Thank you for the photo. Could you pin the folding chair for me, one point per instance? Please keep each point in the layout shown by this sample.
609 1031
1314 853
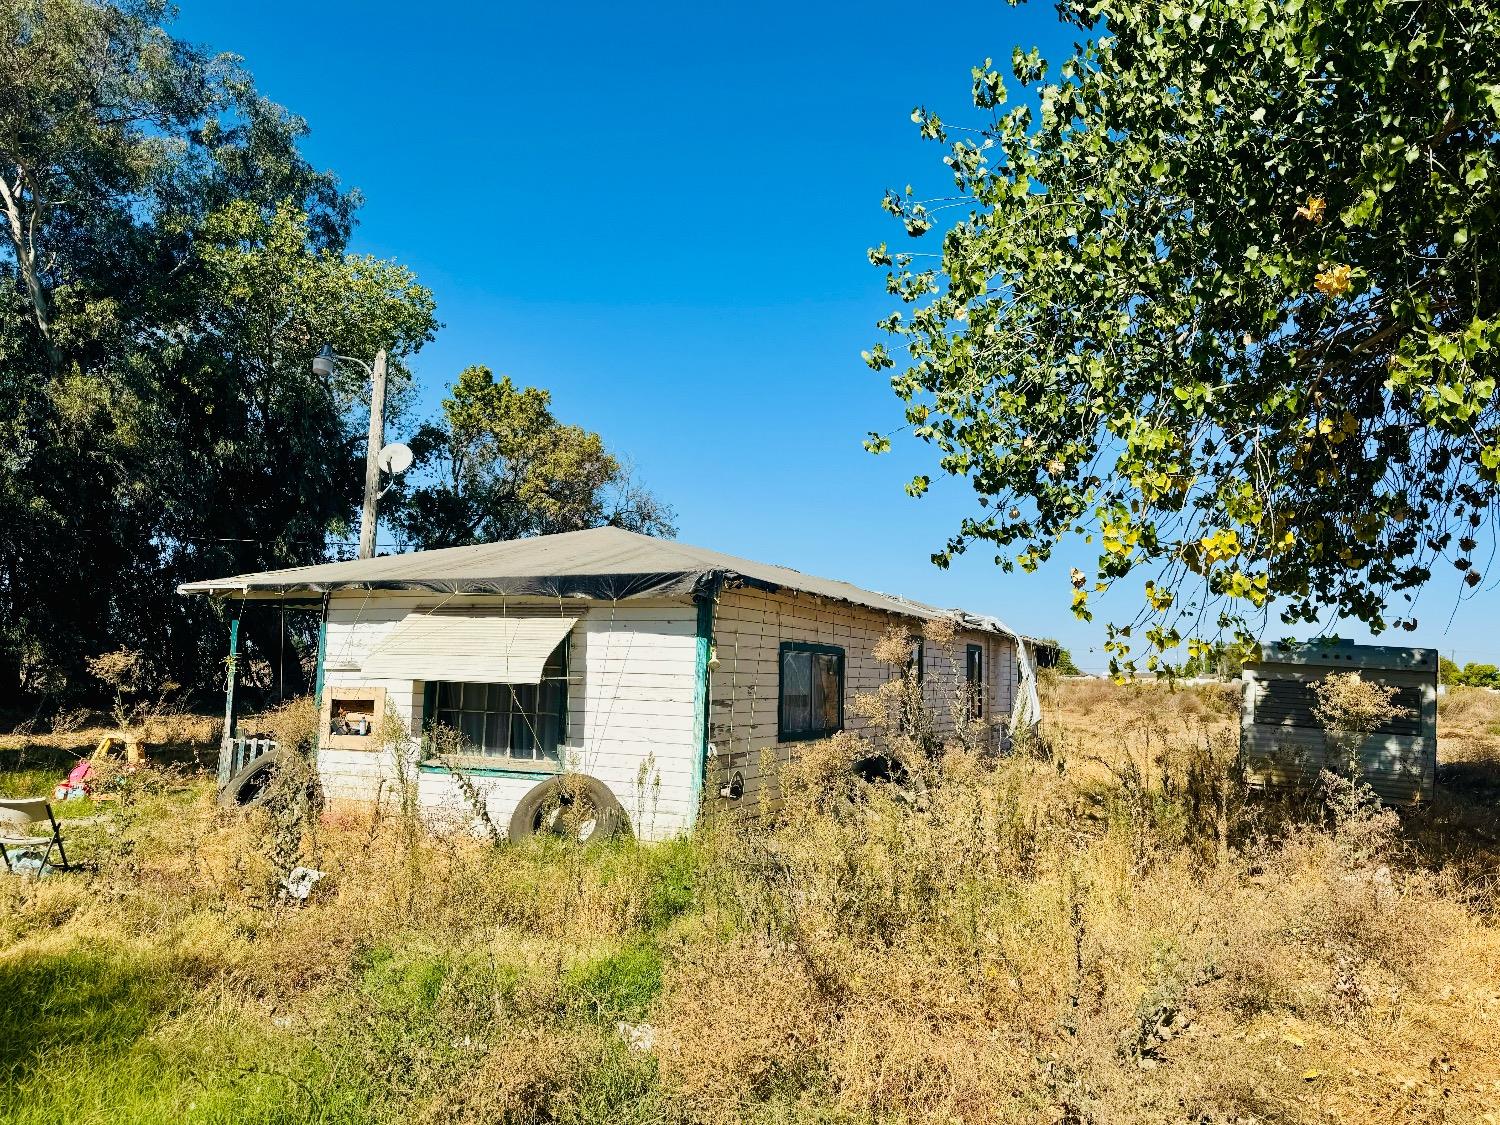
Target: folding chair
19 820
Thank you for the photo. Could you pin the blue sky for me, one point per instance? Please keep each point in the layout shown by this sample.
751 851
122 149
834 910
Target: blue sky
660 213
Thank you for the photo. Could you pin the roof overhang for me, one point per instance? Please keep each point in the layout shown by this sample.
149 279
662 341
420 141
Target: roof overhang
604 587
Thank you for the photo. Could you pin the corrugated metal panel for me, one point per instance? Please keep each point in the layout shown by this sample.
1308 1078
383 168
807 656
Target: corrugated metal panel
1399 769
468 648
1281 741
1291 703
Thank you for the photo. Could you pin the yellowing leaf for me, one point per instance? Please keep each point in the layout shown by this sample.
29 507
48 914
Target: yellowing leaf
1313 209
1333 279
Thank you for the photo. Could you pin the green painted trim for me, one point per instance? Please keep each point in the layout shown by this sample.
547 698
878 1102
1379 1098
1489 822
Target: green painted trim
705 636
493 771
820 650
322 654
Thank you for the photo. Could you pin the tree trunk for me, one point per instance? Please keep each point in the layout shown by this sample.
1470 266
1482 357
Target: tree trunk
23 236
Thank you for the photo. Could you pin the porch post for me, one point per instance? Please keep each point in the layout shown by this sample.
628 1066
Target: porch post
231 718
322 654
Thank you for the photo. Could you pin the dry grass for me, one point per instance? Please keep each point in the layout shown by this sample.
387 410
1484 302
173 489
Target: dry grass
170 730
1106 932
1110 932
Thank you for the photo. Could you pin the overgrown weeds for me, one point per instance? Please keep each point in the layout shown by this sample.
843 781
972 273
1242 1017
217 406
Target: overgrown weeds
1118 933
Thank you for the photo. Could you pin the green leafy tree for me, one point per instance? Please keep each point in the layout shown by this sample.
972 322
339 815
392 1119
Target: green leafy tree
1480 675
168 262
498 465
1217 658
1223 299
1449 673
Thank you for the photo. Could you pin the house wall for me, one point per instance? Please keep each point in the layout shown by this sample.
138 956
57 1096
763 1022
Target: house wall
632 672
748 628
632 712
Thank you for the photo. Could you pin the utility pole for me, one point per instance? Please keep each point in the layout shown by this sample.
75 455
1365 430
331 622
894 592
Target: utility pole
372 457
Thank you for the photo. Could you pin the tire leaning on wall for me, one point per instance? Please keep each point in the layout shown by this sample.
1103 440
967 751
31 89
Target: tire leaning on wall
573 806
252 785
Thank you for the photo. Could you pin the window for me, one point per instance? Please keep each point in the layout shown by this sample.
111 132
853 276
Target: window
517 722
911 701
351 717
974 676
812 692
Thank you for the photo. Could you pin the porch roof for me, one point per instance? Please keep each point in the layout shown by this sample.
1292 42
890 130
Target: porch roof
606 563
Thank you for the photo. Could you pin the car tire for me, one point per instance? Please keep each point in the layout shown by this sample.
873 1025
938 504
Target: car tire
571 806
252 784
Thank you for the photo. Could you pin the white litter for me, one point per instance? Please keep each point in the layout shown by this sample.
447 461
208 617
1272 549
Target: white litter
300 881
640 1036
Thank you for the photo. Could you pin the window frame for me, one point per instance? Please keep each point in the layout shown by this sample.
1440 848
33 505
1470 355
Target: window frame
539 761
975 684
811 649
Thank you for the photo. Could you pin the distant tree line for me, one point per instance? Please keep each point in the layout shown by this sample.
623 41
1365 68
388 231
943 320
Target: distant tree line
169 262
1470 675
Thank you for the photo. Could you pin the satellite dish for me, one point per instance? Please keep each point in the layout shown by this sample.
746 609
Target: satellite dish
394 458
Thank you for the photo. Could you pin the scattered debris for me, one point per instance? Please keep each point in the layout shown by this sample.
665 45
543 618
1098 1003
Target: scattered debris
30 863
77 783
300 881
640 1036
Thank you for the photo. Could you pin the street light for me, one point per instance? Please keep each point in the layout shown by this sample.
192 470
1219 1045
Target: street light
323 365
323 362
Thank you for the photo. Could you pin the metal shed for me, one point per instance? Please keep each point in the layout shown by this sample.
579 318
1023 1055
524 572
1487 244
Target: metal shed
1281 741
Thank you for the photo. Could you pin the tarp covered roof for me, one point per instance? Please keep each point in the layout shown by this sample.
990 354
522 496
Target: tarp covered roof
606 563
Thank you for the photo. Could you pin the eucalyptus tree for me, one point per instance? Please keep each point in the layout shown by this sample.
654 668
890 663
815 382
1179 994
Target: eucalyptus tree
1222 298
168 262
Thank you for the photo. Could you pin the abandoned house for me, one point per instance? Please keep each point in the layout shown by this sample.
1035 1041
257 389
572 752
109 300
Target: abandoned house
672 678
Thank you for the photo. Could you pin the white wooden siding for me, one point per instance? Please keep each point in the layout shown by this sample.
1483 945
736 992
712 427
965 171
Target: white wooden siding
631 718
749 627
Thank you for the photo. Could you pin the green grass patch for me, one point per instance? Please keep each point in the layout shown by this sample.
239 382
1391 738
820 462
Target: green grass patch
115 1036
620 986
